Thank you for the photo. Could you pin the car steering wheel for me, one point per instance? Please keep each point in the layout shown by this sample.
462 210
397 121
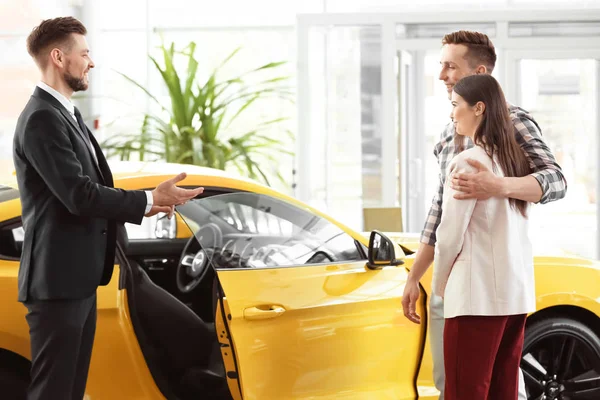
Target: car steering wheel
195 259
320 256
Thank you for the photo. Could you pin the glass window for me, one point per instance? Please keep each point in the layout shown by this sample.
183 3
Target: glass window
122 104
155 227
437 31
345 126
132 14
248 218
23 15
550 4
561 95
18 73
533 29
408 5
18 76
229 12
11 237
248 230
437 115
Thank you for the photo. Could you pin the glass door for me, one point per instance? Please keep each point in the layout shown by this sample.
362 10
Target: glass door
561 91
341 148
411 182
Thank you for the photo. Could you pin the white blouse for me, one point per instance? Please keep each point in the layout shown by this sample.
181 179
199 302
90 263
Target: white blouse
483 263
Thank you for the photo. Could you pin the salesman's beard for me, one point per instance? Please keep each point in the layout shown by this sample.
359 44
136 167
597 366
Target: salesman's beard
76 84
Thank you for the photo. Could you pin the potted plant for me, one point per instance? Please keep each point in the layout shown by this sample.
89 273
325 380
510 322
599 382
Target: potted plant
195 125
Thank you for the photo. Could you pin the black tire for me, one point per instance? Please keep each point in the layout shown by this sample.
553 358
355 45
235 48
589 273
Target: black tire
561 360
13 384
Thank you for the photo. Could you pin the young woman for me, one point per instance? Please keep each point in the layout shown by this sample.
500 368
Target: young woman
483 264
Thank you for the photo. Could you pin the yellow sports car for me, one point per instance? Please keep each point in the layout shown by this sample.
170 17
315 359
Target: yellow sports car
250 294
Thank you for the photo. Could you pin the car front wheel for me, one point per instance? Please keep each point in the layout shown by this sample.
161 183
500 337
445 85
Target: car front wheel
561 360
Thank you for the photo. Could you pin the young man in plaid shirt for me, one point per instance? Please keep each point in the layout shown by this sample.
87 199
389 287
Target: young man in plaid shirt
467 53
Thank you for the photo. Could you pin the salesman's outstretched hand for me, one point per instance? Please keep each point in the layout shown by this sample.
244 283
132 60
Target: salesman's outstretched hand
167 195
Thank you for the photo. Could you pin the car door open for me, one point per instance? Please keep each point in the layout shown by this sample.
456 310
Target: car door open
304 312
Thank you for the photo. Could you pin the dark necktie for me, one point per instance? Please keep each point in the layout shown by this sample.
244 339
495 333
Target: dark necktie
86 135
81 123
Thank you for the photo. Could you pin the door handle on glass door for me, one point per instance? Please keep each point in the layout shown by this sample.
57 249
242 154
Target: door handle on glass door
263 312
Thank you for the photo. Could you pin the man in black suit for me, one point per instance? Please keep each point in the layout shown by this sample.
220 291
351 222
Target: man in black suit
71 213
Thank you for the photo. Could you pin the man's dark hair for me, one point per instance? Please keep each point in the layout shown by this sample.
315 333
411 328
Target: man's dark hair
481 50
52 33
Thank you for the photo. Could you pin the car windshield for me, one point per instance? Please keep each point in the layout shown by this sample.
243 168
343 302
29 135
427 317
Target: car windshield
249 230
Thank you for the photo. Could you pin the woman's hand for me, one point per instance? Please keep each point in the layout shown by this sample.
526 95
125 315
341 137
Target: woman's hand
409 300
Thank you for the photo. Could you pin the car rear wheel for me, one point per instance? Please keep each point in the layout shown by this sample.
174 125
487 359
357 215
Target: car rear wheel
13 385
561 360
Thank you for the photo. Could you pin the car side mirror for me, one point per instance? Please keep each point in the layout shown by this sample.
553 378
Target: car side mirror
382 251
165 228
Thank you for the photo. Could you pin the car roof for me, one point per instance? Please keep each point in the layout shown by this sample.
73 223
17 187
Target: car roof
123 170
137 169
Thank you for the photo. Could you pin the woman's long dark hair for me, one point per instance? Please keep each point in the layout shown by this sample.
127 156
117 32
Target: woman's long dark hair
495 133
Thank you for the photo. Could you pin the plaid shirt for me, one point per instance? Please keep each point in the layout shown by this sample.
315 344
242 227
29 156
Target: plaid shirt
529 136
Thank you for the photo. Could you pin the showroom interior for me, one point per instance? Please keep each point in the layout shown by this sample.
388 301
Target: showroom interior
352 96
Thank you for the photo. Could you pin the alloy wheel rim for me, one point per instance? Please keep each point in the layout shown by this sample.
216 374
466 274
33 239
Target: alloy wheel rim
561 366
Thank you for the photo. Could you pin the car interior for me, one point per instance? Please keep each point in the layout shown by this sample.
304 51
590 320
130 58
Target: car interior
10 247
176 331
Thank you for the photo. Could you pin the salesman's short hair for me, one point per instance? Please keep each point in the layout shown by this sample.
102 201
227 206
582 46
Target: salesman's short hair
51 33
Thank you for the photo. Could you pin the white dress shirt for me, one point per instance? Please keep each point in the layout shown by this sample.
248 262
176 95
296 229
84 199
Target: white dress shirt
70 107
483 262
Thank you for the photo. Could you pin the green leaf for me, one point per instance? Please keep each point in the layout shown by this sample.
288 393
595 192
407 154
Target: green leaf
191 69
143 88
270 65
226 60
241 110
195 127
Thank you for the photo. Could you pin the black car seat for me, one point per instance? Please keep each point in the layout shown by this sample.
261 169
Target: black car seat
173 338
8 245
183 338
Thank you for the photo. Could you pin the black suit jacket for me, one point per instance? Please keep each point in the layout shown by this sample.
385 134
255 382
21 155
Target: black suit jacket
70 208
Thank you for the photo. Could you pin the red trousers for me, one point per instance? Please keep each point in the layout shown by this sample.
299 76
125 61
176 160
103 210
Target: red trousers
482 356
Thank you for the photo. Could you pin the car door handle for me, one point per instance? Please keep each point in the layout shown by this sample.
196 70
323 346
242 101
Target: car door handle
263 312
